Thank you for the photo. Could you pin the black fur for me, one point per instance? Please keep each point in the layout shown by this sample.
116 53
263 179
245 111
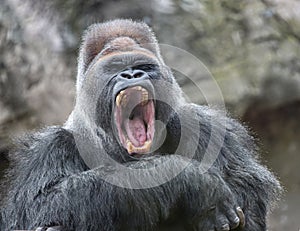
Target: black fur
49 183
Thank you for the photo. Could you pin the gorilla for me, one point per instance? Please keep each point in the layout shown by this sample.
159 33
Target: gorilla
134 154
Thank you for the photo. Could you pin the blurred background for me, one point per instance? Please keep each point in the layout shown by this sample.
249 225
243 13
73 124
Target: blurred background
252 48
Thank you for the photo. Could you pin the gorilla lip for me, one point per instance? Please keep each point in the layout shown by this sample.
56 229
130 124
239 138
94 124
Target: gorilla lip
134 118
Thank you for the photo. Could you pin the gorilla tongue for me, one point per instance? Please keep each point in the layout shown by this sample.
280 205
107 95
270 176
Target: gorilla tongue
140 128
136 130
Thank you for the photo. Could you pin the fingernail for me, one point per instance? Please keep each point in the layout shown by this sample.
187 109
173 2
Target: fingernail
236 220
225 227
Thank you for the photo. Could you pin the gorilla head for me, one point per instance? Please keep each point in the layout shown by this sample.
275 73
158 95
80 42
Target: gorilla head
120 67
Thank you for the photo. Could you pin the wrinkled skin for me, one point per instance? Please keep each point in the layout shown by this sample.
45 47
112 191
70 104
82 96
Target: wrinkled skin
64 178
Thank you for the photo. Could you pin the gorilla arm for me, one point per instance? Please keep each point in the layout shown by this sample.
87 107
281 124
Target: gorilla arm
233 158
52 186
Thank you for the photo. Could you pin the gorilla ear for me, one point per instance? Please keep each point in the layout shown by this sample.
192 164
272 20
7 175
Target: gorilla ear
99 34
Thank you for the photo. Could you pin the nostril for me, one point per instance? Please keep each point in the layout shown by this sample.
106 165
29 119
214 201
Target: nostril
138 74
130 74
126 75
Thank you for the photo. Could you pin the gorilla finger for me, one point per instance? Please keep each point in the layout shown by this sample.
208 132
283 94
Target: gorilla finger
225 227
234 220
235 223
241 216
222 223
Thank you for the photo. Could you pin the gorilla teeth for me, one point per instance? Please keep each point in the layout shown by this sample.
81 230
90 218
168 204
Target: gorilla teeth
118 99
132 149
145 97
122 98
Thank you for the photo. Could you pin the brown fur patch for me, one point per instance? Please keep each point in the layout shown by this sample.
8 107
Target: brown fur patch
114 35
119 44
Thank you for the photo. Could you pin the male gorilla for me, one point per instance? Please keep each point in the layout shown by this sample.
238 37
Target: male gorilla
122 160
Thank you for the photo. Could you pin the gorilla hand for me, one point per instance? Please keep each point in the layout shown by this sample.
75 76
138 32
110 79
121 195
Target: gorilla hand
220 210
204 200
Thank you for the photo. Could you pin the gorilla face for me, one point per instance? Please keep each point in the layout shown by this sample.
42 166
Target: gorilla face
130 95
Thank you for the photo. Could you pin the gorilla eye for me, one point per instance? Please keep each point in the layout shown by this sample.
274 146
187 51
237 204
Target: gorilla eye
146 67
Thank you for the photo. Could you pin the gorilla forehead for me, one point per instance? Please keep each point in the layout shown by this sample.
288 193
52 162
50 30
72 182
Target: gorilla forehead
118 61
104 68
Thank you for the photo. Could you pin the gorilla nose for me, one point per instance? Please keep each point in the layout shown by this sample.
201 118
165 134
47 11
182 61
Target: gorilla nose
132 74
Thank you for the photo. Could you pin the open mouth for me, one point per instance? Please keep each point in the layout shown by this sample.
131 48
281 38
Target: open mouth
134 118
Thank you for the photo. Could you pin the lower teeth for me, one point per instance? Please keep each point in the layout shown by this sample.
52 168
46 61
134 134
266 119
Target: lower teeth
131 148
